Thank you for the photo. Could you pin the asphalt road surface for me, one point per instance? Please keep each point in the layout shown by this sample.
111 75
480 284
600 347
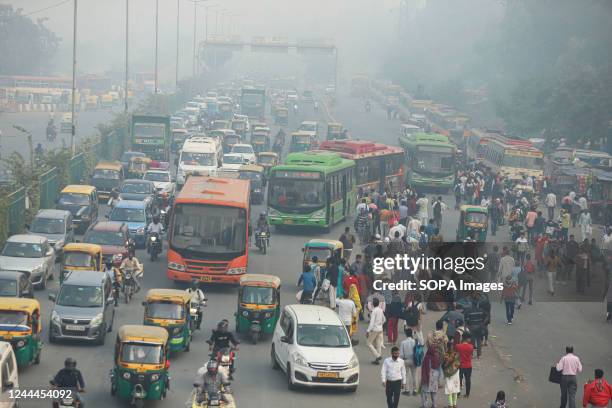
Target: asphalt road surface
517 361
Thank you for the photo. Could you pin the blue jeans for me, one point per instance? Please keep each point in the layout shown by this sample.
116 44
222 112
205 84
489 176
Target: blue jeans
509 310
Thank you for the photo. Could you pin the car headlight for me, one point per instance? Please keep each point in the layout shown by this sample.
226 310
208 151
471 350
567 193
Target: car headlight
354 361
298 359
154 377
236 271
272 212
55 317
126 375
21 343
96 321
176 266
140 230
319 214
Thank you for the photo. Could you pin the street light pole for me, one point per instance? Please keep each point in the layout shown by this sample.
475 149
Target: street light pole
195 28
74 68
178 14
127 38
156 44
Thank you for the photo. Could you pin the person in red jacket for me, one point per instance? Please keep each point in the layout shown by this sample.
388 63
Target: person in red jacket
598 392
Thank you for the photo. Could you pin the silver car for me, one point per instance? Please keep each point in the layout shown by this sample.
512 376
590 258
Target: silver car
32 254
56 225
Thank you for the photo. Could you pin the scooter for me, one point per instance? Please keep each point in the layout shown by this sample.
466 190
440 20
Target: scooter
155 246
263 241
129 284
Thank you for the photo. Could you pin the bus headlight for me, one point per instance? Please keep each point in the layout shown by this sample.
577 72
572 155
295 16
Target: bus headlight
176 266
236 271
319 214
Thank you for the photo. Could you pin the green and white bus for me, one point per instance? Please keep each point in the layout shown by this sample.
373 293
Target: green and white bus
313 188
430 160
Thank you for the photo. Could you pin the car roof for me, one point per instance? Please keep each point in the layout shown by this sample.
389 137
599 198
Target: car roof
6 274
158 171
136 181
107 226
313 314
52 213
87 278
242 144
131 204
28 239
78 189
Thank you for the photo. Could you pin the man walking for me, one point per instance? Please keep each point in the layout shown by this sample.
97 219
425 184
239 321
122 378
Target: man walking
407 354
393 375
551 203
570 366
348 240
465 350
375 331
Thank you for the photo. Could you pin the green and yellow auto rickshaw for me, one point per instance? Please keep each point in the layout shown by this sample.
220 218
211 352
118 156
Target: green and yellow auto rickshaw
322 249
258 305
21 325
334 131
267 160
260 140
81 257
138 166
255 174
474 221
141 370
301 142
170 309
281 116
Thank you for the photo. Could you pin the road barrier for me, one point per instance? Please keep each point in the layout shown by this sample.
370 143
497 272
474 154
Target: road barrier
49 188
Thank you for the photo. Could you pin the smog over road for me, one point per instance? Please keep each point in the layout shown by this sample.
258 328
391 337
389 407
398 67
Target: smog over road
272 203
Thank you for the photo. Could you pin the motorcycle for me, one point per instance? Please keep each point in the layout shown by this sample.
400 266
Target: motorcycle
51 133
212 399
195 313
66 402
225 358
262 240
129 284
155 246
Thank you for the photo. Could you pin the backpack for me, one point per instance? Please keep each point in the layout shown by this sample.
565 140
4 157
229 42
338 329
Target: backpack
418 354
411 315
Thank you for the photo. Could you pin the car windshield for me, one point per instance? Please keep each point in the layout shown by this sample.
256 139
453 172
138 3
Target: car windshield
80 296
155 176
231 159
135 188
266 159
78 259
297 193
164 310
73 199
242 149
142 353
106 174
257 295
198 159
322 335
8 287
209 229
13 320
115 238
22 250
476 218
48 225
127 214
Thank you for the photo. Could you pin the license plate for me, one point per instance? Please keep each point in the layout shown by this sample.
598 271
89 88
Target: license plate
288 222
206 279
75 328
327 374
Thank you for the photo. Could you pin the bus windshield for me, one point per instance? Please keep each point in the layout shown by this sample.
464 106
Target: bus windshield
428 160
198 159
533 163
209 228
297 193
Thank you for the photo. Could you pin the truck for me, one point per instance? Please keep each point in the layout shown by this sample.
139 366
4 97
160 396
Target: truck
151 135
253 102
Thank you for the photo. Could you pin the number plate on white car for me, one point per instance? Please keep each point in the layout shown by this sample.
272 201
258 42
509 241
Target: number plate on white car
75 328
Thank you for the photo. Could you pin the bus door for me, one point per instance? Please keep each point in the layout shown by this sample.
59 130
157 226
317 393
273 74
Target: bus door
343 191
328 199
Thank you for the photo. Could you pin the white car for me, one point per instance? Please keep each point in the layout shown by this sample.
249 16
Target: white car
233 161
313 348
32 254
162 180
246 150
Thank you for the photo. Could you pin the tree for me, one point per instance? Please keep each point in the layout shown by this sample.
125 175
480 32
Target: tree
26 46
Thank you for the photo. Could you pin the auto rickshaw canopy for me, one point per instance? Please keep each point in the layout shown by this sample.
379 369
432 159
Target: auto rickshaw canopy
140 333
19 304
261 280
108 165
171 295
92 249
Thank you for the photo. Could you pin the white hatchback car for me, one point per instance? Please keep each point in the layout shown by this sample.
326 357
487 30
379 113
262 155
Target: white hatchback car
246 150
312 346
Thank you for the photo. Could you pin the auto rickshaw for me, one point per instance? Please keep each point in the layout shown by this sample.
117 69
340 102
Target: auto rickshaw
322 249
334 131
21 325
229 140
138 166
281 116
106 176
239 126
169 308
473 219
219 124
255 174
178 138
258 305
260 140
301 142
141 370
267 160
81 257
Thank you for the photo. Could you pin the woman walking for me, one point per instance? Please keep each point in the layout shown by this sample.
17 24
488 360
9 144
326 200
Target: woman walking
452 383
430 376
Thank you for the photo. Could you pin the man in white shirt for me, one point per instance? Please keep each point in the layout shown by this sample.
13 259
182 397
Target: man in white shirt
407 354
551 203
423 209
414 225
397 227
393 376
570 366
346 311
375 331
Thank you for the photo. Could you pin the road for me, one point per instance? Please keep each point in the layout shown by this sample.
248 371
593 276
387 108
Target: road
523 351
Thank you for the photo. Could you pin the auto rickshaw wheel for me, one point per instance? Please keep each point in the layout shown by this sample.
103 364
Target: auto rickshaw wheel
37 358
113 390
139 403
255 337
188 347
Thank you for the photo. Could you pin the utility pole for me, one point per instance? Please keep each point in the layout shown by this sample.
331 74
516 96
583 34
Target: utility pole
127 39
195 28
156 44
178 13
74 68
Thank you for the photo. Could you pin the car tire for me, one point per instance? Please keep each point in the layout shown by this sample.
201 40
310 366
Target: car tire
290 385
102 336
52 338
110 328
273 360
43 282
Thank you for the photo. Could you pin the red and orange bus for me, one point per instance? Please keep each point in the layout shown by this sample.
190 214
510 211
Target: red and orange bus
378 166
209 230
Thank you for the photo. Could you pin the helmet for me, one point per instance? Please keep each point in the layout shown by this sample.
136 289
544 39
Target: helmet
262 214
212 367
70 363
222 326
194 283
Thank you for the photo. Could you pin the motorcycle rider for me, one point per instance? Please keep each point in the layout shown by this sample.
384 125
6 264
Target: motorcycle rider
155 227
211 382
262 226
51 133
70 377
38 151
198 299
221 339
116 277
131 262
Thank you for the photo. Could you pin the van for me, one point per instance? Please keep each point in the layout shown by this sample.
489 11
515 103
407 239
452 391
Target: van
9 377
201 155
